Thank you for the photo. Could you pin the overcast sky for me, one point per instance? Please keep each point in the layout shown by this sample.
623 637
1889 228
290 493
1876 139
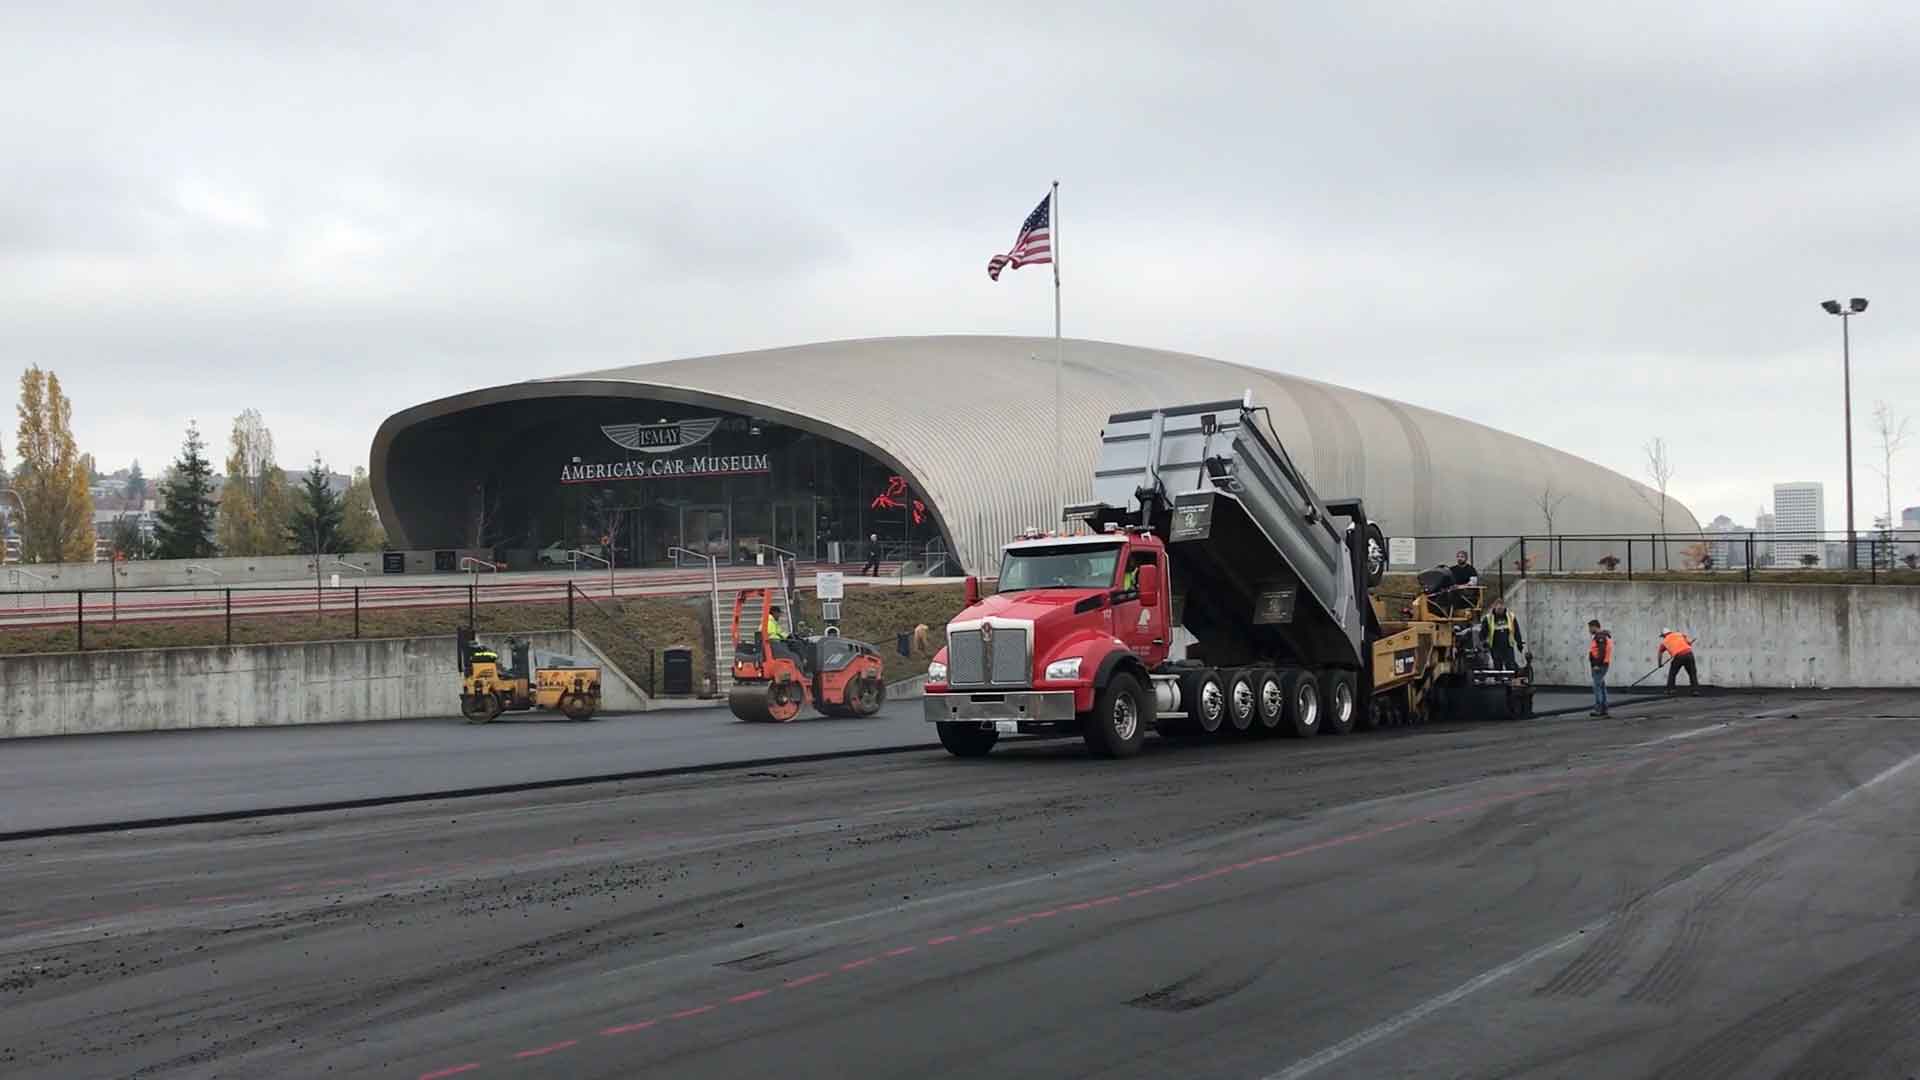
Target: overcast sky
1589 224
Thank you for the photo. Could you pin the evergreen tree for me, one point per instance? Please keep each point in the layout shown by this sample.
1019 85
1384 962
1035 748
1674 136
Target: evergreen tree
315 521
136 490
57 525
360 528
185 528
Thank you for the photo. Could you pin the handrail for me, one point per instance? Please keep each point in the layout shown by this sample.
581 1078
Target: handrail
575 555
348 565
14 575
191 567
468 562
721 664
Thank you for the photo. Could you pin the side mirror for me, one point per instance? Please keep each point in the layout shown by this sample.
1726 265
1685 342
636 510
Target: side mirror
1149 585
973 590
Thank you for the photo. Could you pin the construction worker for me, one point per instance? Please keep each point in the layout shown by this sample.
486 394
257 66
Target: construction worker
1599 659
770 629
1502 630
1679 646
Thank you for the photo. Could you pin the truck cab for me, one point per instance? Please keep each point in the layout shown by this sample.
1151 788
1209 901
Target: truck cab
1040 655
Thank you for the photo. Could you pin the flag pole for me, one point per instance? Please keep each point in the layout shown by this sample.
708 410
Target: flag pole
1059 358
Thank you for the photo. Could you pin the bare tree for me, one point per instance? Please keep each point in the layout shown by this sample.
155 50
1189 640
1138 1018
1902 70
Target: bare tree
1549 503
1660 471
1892 431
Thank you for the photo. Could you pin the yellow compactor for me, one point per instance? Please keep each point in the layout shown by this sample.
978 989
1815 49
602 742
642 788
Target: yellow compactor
489 687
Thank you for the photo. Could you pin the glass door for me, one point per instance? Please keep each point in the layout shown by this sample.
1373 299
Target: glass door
795 528
707 530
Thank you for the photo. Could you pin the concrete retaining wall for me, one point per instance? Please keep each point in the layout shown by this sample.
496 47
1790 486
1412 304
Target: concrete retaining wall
1746 635
319 682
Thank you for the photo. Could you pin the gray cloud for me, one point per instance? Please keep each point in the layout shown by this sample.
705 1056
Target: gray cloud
1586 224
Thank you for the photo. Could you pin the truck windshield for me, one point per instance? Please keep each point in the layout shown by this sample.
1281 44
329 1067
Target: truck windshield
1067 566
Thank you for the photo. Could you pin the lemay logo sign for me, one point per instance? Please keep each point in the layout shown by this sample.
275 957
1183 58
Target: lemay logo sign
662 439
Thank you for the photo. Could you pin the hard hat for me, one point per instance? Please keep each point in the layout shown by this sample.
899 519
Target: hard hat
1666 631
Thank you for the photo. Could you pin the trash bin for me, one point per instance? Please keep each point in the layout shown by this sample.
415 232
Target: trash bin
676 676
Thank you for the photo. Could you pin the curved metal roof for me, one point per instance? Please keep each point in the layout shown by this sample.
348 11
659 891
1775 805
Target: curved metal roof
969 421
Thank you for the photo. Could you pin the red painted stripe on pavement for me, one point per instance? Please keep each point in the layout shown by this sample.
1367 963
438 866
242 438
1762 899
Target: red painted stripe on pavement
542 1051
943 939
901 951
625 1028
442 1074
804 980
863 962
978 930
685 1013
749 996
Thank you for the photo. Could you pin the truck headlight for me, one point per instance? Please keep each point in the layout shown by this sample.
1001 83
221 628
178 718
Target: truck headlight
936 672
1064 669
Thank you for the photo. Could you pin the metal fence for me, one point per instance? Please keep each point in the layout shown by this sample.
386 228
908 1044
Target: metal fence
1883 556
70 620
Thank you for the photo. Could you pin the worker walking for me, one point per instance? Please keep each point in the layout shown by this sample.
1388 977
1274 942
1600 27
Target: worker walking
1502 629
1679 646
1599 659
873 557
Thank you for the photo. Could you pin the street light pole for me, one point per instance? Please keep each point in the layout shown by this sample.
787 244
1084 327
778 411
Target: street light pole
1854 307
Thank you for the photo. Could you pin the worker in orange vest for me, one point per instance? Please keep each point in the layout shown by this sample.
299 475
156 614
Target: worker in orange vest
1599 659
1679 646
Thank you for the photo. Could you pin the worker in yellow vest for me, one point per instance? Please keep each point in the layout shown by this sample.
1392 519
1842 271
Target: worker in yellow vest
1502 630
1679 646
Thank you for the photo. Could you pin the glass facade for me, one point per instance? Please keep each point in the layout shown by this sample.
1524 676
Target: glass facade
655 476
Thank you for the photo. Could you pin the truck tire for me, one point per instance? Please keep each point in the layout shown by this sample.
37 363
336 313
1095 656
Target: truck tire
1243 702
1303 704
1376 555
1205 699
1270 700
1118 723
1340 705
967 740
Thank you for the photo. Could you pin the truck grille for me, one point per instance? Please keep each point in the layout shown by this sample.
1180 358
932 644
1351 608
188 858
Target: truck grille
971 662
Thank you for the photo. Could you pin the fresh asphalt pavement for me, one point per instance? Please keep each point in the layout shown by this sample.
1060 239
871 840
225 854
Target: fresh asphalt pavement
103 780
69 781
1710 887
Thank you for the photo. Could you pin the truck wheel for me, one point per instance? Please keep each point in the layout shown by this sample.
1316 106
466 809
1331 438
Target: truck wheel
1342 710
1270 700
1303 704
967 740
1243 702
1118 723
1207 703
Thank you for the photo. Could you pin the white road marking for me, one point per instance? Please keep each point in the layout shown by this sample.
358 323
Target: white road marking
1432 1005
1393 1025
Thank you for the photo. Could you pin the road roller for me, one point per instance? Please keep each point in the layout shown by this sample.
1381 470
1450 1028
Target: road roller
489 687
774 677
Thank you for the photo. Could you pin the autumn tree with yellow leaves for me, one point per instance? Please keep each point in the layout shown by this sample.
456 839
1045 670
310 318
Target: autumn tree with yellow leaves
56 520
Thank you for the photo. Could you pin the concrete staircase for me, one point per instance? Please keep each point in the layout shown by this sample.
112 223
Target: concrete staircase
723 639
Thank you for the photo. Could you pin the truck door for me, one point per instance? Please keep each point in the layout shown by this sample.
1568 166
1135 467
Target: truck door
1140 626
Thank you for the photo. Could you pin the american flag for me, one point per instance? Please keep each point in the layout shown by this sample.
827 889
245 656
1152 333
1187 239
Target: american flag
1033 245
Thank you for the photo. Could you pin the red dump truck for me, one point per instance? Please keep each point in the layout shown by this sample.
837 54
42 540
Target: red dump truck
1200 521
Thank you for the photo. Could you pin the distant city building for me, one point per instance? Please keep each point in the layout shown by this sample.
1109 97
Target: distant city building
1763 540
1799 517
1732 551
